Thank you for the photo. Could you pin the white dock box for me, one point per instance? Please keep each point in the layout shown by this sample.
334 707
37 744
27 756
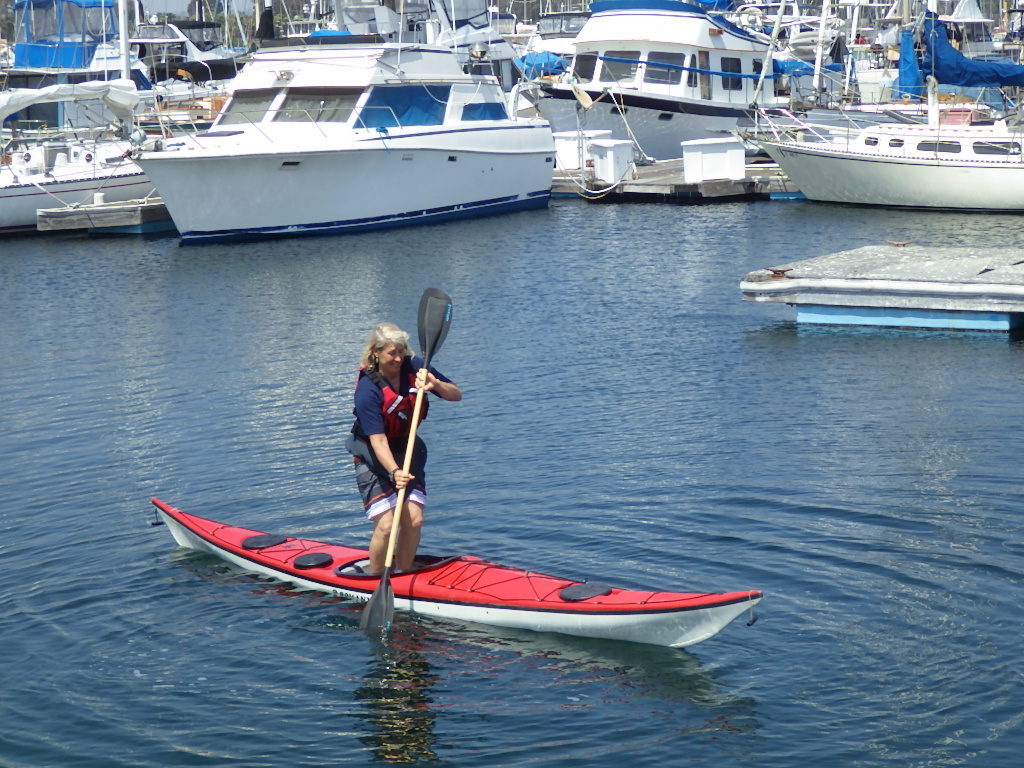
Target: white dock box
572 148
721 159
613 159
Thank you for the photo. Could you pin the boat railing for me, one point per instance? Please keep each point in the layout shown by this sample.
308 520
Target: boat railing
786 125
379 125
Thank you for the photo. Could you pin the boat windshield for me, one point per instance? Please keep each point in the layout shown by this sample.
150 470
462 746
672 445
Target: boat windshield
247 107
315 105
155 32
390 106
561 24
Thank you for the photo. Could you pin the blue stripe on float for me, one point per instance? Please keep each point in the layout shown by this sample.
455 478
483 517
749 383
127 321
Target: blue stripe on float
892 317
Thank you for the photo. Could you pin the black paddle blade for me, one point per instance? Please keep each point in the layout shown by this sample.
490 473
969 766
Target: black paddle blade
380 609
434 318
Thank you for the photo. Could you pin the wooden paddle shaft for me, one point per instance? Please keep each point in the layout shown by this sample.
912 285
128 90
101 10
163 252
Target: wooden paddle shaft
406 466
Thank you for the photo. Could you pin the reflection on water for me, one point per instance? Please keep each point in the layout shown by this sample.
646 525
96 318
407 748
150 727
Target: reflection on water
428 676
397 702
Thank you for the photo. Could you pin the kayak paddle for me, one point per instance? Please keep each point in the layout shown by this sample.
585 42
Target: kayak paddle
435 315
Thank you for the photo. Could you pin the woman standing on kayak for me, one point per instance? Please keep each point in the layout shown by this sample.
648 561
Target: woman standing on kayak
385 395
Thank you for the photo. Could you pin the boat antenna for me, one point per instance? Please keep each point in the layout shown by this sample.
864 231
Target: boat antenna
401 29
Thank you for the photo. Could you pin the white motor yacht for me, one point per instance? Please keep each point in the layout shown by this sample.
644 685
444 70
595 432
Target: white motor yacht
347 135
658 72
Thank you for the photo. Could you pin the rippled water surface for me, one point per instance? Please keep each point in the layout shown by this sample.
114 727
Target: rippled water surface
626 418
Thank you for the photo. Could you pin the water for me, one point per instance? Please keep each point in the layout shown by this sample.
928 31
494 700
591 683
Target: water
627 417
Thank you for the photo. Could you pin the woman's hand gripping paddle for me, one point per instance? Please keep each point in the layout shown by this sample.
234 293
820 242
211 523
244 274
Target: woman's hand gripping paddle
435 315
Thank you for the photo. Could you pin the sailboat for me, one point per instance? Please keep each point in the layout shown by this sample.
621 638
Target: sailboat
961 158
68 168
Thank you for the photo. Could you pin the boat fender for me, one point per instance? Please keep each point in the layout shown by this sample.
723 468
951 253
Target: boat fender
574 593
313 560
264 540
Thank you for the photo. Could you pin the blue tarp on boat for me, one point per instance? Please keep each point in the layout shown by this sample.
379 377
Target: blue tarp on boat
909 80
541 63
797 68
950 67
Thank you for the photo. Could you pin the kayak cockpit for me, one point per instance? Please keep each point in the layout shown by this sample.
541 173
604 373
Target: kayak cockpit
357 569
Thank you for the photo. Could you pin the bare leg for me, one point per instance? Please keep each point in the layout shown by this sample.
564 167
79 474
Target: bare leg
408 539
379 541
409 536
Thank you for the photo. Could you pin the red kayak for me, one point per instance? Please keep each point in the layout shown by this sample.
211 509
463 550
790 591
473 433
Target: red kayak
470 589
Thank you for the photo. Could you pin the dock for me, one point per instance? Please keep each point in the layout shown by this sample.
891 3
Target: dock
125 217
592 165
900 285
665 182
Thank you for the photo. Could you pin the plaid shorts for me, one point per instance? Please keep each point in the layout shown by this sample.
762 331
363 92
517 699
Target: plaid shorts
380 496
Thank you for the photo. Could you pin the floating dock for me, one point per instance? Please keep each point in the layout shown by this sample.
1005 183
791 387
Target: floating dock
900 285
126 217
664 181
591 165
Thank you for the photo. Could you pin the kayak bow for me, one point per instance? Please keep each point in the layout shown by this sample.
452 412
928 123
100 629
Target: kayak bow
467 588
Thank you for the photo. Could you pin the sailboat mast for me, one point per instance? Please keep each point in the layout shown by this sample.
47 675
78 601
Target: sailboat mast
123 36
819 51
931 83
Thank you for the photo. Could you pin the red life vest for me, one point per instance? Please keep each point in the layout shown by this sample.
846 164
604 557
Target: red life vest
397 407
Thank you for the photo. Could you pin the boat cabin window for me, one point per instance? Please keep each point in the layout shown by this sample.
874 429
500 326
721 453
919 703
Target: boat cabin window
485 110
155 32
691 74
871 141
316 105
730 64
561 24
390 106
996 148
938 146
896 143
620 66
583 67
664 67
247 107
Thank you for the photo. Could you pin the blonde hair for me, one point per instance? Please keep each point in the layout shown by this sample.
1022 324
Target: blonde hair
381 337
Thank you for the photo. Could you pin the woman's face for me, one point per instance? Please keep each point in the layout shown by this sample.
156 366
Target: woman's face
390 360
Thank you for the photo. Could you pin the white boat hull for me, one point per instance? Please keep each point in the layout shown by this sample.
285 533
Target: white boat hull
392 183
658 129
22 196
836 175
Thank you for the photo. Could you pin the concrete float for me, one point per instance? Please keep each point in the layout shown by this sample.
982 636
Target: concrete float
143 216
900 285
591 165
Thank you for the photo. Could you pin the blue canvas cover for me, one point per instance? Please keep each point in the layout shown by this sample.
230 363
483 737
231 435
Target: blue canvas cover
49 34
390 106
909 81
541 63
797 68
950 67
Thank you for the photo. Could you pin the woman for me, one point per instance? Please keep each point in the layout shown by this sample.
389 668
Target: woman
385 396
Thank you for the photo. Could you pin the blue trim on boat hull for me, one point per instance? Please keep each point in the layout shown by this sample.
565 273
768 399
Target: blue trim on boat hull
512 203
653 103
